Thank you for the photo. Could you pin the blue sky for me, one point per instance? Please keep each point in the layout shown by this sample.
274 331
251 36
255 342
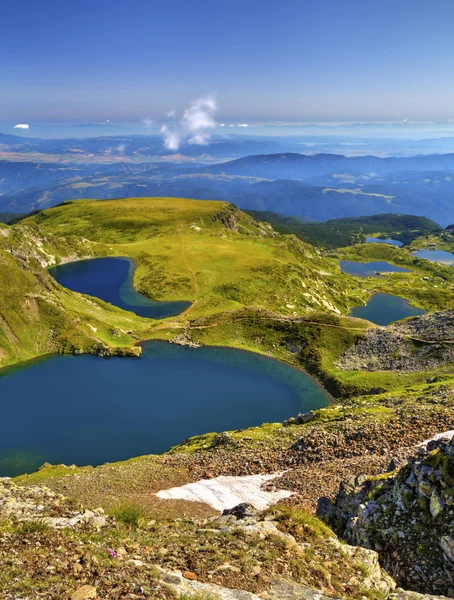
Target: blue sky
292 60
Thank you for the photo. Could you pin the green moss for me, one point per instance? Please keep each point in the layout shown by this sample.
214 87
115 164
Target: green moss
438 460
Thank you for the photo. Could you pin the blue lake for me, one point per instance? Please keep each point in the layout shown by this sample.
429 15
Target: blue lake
438 256
89 410
373 240
111 280
383 309
370 269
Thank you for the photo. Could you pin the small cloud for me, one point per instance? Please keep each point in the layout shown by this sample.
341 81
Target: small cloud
171 114
121 148
194 127
22 126
148 122
171 137
242 125
221 124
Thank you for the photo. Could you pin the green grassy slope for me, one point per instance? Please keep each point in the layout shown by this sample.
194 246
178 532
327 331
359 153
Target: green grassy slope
210 253
37 316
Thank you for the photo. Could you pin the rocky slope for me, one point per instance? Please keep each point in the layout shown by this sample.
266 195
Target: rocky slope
418 344
51 548
407 515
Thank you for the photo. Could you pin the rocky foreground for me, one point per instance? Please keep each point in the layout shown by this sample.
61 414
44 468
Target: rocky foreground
50 548
406 515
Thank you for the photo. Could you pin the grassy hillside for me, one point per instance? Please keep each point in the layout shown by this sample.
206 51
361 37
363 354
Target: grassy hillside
37 316
207 252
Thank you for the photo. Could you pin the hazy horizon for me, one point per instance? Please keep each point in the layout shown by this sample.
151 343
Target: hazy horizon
262 62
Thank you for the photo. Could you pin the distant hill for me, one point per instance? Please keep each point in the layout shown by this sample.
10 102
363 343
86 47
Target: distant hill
348 231
307 167
7 217
317 187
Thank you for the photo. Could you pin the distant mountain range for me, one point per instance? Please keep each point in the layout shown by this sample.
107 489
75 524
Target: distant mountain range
312 186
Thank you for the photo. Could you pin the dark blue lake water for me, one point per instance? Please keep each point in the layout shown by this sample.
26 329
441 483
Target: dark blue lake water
373 240
383 309
370 269
111 279
438 256
89 410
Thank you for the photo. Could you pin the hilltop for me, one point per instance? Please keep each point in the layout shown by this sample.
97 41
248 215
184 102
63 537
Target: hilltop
209 253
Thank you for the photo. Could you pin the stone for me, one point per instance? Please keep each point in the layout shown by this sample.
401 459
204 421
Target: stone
436 504
425 489
376 390
98 522
240 511
85 593
325 507
136 562
222 439
190 575
303 418
447 545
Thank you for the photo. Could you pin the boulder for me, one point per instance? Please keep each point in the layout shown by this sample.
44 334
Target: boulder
86 592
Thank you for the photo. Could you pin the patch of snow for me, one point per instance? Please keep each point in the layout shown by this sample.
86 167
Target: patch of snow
226 492
438 436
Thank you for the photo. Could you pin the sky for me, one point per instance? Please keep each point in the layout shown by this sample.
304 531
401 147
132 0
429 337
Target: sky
262 60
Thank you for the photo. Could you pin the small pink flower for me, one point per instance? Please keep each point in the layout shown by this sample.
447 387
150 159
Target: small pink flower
112 552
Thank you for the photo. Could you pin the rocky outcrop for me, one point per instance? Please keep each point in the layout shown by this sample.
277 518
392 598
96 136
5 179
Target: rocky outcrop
43 507
419 344
184 339
406 515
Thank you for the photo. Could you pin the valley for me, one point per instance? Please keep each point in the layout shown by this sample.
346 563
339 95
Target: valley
215 282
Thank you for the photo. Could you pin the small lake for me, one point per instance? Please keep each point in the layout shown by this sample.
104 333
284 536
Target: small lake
438 256
373 240
111 280
383 309
90 410
370 269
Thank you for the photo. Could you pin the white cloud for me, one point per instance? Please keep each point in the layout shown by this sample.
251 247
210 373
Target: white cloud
242 125
148 122
194 127
22 126
172 137
121 148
